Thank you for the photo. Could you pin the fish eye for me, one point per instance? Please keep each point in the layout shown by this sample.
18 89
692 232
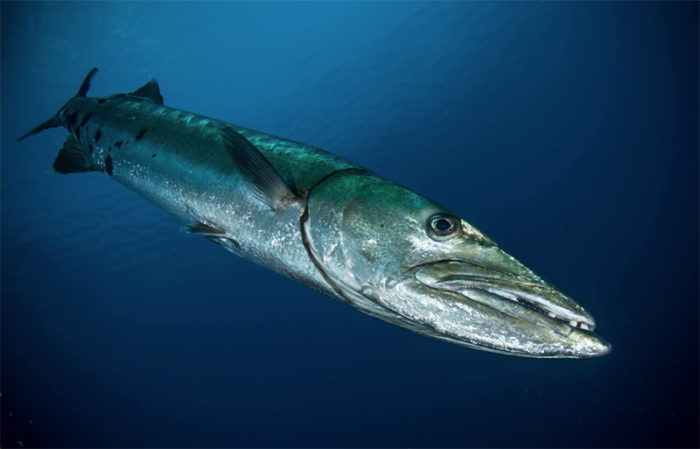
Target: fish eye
442 227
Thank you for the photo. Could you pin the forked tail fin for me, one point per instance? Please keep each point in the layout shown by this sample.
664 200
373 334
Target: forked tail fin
55 121
86 83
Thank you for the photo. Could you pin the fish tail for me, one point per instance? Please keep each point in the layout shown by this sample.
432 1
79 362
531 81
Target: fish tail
55 121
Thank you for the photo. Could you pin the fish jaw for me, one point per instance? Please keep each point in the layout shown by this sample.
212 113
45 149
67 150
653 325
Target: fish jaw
498 311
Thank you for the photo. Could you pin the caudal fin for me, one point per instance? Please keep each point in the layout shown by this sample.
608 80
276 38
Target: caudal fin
86 83
55 121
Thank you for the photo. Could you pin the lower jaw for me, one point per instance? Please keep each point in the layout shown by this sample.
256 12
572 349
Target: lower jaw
461 320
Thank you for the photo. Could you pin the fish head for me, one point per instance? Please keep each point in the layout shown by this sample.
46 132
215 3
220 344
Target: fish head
406 259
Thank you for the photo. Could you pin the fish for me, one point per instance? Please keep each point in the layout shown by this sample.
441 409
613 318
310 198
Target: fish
324 221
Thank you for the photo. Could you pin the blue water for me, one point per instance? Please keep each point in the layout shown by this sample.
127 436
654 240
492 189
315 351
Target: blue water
568 132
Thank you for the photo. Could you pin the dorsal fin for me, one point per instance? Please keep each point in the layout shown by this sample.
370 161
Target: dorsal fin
86 83
264 181
149 90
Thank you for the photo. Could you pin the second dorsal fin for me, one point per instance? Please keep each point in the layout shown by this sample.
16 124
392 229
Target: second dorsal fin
149 90
262 178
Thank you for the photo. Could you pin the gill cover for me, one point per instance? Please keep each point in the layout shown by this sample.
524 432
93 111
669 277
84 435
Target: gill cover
362 230
352 220
365 229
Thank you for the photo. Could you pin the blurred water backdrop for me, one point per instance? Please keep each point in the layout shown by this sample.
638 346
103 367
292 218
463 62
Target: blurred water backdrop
566 131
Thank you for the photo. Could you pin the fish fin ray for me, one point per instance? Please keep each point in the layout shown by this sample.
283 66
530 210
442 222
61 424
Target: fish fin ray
264 181
149 90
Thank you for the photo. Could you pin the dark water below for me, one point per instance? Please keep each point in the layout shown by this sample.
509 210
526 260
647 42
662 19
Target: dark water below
568 132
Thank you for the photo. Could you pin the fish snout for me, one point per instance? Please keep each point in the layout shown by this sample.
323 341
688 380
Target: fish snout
496 303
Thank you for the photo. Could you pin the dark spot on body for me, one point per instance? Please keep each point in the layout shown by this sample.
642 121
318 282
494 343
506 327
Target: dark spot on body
153 155
101 101
140 134
91 148
108 165
98 135
85 119
118 144
109 149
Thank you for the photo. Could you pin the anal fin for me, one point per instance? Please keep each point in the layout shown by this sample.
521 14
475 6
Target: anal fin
71 158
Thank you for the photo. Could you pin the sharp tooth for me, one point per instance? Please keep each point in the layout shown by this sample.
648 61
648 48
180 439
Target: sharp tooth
584 326
504 294
509 296
573 323
551 314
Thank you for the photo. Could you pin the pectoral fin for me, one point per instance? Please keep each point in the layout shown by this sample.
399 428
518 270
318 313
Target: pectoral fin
262 178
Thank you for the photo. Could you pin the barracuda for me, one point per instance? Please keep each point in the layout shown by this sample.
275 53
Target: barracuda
324 221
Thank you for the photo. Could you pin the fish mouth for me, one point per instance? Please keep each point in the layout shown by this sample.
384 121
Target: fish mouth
497 289
531 316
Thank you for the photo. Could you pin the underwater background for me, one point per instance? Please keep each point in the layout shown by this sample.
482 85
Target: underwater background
568 132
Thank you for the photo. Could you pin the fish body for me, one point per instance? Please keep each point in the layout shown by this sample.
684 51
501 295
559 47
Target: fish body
324 221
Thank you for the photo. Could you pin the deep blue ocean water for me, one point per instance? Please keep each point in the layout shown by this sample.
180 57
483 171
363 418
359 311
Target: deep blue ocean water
568 132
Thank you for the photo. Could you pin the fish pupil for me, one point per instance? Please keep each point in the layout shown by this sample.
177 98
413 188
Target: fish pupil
442 224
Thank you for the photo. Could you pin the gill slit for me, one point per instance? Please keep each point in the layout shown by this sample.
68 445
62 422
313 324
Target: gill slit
304 236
